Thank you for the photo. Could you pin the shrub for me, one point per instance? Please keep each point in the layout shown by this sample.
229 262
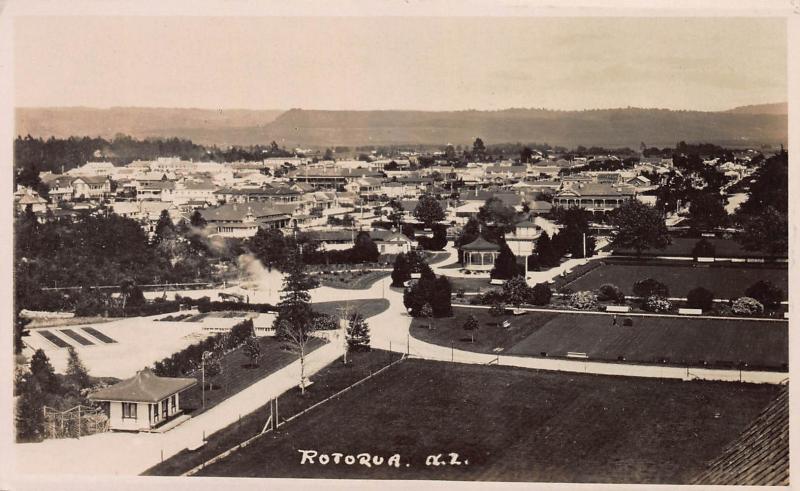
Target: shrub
492 297
700 298
747 306
766 293
657 303
649 287
541 293
585 300
497 309
610 293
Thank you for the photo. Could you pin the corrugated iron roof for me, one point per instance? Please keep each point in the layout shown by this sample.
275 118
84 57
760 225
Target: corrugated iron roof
760 455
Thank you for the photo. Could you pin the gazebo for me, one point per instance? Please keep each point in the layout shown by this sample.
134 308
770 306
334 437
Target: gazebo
479 255
143 402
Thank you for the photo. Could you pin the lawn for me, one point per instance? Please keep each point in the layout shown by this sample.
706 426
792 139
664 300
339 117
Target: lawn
354 280
471 285
367 307
533 426
237 374
682 247
326 382
681 341
728 281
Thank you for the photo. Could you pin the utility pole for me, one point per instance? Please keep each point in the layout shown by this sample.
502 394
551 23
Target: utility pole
585 259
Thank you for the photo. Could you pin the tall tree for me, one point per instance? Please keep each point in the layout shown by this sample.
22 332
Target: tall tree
479 149
545 253
401 271
164 227
707 211
638 226
30 410
197 220
294 309
43 372
428 210
76 372
497 214
766 232
505 266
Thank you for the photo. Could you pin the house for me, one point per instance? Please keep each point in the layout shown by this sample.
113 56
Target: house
91 187
159 190
61 188
639 182
334 240
390 242
93 169
243 220
143 402
479 255
197 190
32 199
594 197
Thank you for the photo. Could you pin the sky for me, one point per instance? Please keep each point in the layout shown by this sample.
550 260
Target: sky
424 63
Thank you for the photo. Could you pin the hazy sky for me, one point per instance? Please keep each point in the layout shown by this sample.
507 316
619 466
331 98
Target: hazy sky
399 63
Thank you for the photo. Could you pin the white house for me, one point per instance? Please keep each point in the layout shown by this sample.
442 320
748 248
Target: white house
393 243
143 402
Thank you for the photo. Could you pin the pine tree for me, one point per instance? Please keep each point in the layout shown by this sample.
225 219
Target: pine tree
441 300
402 271
43 372
505 266
30 410
76 372
544 251
295 305
357 331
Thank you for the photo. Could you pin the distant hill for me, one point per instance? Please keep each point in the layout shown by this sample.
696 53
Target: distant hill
201 125
605 127
775 108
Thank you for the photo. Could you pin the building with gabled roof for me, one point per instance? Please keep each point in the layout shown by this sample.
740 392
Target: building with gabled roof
142 402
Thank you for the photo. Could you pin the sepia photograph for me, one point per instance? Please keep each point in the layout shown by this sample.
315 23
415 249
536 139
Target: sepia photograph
396 242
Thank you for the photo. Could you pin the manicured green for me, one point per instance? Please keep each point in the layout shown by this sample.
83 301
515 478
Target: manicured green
725 282
367 307
511 424
682 341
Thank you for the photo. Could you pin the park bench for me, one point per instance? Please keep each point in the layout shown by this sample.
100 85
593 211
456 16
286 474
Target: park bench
618 308
496 281
576 354
690 311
